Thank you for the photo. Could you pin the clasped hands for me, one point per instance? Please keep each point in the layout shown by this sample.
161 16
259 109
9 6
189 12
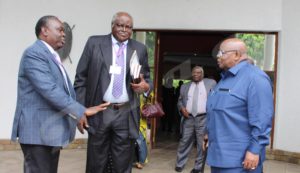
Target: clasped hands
83 123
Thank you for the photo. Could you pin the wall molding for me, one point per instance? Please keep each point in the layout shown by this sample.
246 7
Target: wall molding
280 155
6 145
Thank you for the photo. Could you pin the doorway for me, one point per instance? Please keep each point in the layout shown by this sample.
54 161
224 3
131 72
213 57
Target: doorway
176 52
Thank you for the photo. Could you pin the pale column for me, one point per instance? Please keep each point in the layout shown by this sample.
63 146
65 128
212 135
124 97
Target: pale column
141 37
269 53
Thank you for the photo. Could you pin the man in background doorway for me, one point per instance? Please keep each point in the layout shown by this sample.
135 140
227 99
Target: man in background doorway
192 105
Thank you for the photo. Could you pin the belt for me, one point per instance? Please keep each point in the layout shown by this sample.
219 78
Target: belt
199 115
117 106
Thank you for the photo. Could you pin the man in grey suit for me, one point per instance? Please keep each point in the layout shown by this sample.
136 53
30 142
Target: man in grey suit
46 112
103 75
192 105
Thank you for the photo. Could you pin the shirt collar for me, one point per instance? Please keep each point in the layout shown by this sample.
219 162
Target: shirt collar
49 47
235 69
114 41
195 83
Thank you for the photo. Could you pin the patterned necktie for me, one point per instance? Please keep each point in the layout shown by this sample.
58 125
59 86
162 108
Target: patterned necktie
195 100
117 89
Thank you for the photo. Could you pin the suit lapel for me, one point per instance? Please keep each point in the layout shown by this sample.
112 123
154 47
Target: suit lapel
70 89
50 56
66 87
48 53
129 53
106 47
188 88
206 85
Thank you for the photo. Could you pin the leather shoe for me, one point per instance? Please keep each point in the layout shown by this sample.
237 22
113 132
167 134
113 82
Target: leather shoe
195 171
178 169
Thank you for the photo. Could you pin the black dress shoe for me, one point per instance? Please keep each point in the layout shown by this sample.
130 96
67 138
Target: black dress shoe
195 171
178 169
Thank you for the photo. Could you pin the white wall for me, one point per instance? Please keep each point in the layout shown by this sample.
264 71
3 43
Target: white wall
288 86
18 18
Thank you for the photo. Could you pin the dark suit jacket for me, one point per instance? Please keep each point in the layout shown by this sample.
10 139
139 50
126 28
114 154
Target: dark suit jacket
93 78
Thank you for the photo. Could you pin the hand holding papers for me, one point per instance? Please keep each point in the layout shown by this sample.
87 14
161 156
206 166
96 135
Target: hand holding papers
139 85
135 68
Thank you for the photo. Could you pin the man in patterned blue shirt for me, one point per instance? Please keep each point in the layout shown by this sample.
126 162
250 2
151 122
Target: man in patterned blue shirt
239 113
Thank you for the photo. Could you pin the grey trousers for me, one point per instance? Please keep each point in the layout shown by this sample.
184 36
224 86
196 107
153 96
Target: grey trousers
193 128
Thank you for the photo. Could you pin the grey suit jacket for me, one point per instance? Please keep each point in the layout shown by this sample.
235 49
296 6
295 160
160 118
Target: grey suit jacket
93 78
183 97
44 102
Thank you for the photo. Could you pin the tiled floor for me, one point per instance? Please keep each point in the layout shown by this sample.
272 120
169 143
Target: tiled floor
161 160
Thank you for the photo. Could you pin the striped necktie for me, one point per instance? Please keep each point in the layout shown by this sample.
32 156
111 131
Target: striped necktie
117 89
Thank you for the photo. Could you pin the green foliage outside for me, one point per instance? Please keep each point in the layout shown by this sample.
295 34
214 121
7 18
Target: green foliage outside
150 43
255 44
176 82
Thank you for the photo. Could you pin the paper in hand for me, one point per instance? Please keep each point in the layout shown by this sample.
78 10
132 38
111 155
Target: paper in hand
135 67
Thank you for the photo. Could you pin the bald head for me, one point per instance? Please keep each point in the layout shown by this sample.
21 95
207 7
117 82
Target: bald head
235 44
233 51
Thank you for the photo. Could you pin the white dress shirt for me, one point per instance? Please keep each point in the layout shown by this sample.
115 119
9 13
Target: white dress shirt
202 97
108 97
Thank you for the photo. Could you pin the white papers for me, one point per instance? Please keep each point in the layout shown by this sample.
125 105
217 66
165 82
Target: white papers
135 67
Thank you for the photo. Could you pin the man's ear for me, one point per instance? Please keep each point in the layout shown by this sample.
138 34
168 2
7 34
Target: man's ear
44 31
237 56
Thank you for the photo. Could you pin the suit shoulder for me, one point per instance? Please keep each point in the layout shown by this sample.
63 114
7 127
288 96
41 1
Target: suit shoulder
35 49
97 37
186 85
137 43
208 80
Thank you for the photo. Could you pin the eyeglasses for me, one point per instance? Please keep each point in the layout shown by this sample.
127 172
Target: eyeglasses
222 53
126 27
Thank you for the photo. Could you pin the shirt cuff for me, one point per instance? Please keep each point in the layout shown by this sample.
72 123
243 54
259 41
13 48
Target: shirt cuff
146 94
255 148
